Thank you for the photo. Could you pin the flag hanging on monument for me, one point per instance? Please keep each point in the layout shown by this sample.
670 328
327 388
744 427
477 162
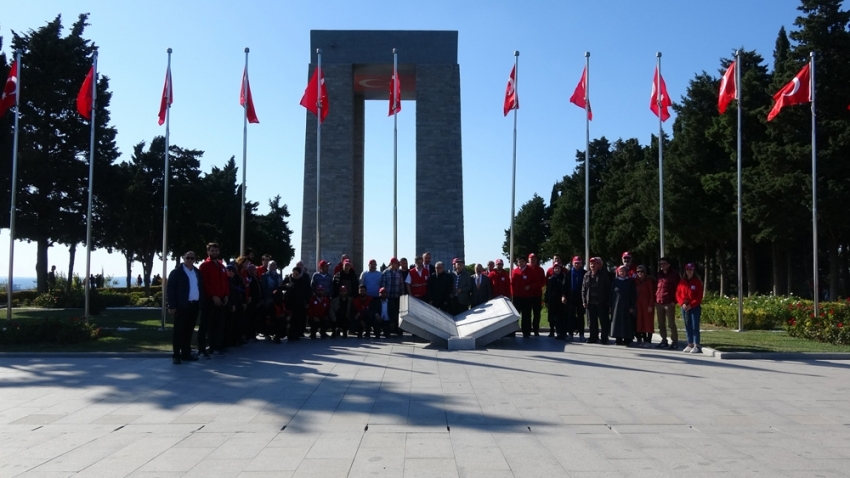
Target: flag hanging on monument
167 96
84 97
728 89
511 97
9 95
580 97
395 93
659 106
311 97
796 92
245 98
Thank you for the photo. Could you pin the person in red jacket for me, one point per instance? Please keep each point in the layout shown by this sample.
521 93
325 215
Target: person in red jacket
500 279
539 284
689 297
216 292
317 313
523 282
665 303
361 312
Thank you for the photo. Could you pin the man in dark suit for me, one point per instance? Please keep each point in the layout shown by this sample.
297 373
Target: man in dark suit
184 291
462 287
482 290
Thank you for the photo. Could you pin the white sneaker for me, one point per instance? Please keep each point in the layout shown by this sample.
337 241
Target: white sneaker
696 349
687 349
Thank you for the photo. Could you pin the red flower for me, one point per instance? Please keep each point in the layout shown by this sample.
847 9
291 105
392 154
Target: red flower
840 325
831 311
792 322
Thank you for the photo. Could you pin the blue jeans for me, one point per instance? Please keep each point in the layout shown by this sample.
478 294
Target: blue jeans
691 318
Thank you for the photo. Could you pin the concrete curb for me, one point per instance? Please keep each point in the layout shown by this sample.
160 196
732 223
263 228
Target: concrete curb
775 355
49 355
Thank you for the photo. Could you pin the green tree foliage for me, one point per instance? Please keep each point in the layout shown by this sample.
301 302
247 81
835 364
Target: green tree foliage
54 140
530 229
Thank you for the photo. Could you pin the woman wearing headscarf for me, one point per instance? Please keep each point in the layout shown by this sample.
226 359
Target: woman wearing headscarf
556 302
644 307
689 298
623 307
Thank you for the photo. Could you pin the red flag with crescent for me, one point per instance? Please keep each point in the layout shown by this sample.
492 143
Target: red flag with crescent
10 90
312 97
660 105
728 89
167 96
246 100
797 91
511 97
580 97
395 93
84 97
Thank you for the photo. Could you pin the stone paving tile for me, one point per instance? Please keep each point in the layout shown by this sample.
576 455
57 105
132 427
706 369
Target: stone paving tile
395 408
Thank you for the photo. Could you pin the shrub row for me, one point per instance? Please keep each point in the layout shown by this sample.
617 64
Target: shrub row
49 331
27 297
828 326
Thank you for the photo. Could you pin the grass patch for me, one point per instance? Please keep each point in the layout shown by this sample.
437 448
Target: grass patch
726 340
146 336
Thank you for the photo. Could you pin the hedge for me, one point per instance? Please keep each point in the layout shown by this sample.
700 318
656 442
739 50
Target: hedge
48 331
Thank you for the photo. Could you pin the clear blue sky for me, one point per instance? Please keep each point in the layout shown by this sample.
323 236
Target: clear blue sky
208 39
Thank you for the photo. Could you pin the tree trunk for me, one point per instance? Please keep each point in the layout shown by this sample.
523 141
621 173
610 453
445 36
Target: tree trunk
774 256
721 265
129 259
833 267
707 271
147 268
41 265
750 268
845 273
72 255
789 269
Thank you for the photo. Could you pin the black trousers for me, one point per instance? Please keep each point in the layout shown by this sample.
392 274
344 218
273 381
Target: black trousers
536 306
297 324
184 325
456 307
575 317
211 329
558 321
524 305
598 315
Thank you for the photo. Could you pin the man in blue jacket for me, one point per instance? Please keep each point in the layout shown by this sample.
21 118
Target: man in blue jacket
183 293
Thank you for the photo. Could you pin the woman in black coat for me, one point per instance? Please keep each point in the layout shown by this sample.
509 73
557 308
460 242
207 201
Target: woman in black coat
623 298
556 302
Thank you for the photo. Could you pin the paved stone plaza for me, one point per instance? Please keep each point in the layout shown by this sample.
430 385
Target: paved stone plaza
359 407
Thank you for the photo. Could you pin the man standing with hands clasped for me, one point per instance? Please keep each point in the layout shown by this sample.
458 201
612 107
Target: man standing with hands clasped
184 293
216 291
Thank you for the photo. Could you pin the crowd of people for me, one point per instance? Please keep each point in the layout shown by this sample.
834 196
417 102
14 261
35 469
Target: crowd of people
239 302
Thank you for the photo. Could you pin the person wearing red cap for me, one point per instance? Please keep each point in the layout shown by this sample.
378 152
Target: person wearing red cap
539 283
623 307
341 264
665 303
522 283
689 297
317 313
575 309
644 306
417 280
393 281
595 297
500 279
322 277
345 277
362 318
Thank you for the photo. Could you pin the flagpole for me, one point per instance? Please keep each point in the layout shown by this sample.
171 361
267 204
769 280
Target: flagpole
12 209
244 154
395 153
587 157
166 175
91 179
740 206
513 181
318 154
659 101
816 294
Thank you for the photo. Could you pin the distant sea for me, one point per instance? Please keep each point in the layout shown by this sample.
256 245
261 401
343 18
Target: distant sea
29 283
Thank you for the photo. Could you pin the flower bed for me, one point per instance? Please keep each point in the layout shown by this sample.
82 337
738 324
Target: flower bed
828 326
762 312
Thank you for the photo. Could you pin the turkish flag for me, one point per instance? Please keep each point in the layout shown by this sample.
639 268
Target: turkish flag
797 91
312 99
245 98
167 96
728 89
511 98
580 97
395 93
84 97
660 105
10 90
